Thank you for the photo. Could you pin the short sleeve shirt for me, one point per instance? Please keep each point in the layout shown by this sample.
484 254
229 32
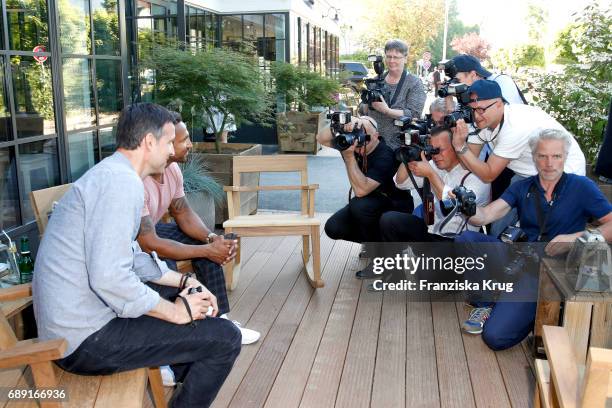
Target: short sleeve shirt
381 167
158 196
575 200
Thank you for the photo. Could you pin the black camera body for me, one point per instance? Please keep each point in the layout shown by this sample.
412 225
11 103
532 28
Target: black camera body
375 88
342 140
463 111
512 234
465 201
414 139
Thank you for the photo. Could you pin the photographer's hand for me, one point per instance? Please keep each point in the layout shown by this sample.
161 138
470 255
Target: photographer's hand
561 244
460 135
421 168
381 106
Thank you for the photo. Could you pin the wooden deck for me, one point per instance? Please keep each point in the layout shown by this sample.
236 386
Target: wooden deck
343 346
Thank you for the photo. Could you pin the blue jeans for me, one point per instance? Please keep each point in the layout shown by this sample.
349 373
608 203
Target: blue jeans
201 355
510 321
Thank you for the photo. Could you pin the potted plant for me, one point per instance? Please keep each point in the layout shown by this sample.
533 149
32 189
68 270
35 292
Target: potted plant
212 87
202 190
303 92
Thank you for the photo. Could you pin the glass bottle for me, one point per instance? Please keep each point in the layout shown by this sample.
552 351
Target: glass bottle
26 264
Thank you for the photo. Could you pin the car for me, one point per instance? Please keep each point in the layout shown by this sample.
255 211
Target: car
357 71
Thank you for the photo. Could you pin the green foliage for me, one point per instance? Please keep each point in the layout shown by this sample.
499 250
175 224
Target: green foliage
579 96
196 177
204 84
564 45
359 56
303 89
528 55
456 28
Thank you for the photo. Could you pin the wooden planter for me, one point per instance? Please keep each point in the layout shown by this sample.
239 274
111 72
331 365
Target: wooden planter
203 204
297 131
221 168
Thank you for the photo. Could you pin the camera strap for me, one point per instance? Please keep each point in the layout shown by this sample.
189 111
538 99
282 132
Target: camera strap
543 218
397 89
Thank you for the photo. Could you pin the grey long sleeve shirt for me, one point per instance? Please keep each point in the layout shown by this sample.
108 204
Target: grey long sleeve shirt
89 268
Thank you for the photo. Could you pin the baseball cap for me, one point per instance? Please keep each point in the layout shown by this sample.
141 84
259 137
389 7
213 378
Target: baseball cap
485 89
467 63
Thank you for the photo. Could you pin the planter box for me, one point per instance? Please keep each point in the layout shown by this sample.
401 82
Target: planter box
203 204
297 131
221 168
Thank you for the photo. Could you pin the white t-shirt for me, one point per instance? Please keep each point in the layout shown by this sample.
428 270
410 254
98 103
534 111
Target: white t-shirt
520 123
508 88
451 179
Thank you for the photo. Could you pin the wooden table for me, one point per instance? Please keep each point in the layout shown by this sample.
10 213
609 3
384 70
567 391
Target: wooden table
587 316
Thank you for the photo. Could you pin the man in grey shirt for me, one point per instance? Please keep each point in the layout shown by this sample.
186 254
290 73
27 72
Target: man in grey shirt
90 272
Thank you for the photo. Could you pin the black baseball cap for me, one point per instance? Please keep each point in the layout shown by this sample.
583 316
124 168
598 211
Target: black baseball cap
467 63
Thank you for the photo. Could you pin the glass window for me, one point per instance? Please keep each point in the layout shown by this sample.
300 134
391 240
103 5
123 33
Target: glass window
158 10
83 152
9 196
78 93
231 29
39 168
106 27
5 115
27 24
108 85
275 26
211 27
253 27
33 96
108 141
74 27
143 8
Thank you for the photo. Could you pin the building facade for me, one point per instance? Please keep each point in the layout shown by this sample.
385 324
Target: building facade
68 67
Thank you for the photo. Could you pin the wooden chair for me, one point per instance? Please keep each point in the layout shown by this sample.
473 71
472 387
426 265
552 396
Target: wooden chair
124 389
561 382
304 224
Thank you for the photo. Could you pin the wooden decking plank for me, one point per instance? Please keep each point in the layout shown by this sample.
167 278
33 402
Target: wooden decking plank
260 377
265 315
319 369
355 388
453 376
518 377
421 371
487 381
389 387
115 389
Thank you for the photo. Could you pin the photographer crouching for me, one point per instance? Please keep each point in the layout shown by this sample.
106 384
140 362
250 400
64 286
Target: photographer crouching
394 93
370 165
553 208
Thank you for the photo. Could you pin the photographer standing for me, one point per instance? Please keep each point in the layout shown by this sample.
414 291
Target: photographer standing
370 167
553 207
506 129
403 94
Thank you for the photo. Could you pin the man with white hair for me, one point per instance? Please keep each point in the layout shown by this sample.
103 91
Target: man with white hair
439 109
553 208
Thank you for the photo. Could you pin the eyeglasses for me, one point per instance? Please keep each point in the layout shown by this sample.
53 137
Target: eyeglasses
394 57
481 111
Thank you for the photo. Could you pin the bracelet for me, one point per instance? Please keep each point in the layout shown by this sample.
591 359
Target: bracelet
192 323
183 281
210 237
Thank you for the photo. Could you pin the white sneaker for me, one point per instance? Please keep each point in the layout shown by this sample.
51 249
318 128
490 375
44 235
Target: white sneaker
248 336
167 376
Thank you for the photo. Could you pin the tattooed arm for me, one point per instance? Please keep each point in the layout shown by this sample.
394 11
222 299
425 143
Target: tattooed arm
166 248
187 220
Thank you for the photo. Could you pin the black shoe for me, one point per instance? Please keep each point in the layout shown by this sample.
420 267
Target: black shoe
366 273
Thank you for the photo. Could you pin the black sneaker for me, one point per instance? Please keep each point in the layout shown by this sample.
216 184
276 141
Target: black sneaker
366 273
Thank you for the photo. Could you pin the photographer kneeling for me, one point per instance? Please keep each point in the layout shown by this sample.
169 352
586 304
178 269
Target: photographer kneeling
445 174
370 165
551 204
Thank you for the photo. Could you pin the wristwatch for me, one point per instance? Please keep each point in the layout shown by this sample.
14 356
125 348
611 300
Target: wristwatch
463 150
210 237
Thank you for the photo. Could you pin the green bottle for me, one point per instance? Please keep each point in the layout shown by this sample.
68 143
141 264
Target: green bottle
25 263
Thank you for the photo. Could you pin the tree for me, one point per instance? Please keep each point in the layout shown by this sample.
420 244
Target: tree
528 55
472 44
415 22
456 28
564 45
208 83
536 21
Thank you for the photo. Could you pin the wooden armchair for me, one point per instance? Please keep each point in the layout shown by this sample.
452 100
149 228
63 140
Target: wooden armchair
304 224
561 382
124 389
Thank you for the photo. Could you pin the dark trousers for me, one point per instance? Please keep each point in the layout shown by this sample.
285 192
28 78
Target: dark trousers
201 355
206 271
359 220
510 321
402 227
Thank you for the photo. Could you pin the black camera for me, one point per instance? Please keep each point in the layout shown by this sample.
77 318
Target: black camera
450 70
407 124
375 88
465 201
414 139
463 111
191 291
342 140
512 234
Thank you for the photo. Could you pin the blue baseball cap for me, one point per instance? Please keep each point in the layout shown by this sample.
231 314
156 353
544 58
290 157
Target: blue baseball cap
485 89
467 63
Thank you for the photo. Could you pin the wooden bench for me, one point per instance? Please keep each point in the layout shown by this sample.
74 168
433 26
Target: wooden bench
563 382
304 224
30 362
